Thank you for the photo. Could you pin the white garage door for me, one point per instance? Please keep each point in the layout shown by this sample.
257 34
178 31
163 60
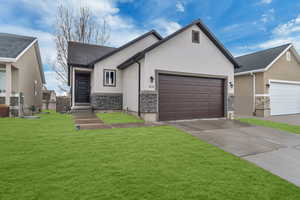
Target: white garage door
285 98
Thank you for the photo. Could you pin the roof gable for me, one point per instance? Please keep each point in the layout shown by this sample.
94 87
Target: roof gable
260 60
204 29
152 32
11 46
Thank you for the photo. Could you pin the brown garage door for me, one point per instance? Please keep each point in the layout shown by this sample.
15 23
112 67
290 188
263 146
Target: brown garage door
184 97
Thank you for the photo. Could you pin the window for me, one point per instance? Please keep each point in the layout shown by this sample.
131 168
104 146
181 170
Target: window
109 77
288 56
2 80
195 36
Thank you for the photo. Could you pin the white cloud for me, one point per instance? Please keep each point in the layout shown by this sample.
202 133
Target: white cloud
180 6
268 16
231 27
52 82
266 1
288 28
166 27
282 34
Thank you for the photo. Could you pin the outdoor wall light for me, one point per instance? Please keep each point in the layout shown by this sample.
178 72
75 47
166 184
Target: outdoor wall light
151 79
231 84
268 85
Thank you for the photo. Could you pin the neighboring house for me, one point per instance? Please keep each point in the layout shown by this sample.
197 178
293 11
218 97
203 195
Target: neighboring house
49 99
21 73
268 82
187 75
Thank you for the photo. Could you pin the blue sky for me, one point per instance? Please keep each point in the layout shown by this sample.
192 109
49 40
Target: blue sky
243 26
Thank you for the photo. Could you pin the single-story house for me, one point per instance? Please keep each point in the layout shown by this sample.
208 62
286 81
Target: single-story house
188 74
268 82
21 73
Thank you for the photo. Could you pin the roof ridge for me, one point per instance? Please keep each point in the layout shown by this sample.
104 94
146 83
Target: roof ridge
18 36
89 44
260 51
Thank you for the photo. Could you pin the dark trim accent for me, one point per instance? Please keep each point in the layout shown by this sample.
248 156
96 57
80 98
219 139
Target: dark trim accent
114 85
201 25
153 32
139 88
193 34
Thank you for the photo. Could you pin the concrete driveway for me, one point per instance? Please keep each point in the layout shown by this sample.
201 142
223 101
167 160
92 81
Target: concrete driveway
275 151
287 119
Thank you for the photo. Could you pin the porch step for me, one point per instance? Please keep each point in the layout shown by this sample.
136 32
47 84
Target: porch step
86 121
76 109
94 126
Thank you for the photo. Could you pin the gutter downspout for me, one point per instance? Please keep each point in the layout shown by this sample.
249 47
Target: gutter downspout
254 92
139 88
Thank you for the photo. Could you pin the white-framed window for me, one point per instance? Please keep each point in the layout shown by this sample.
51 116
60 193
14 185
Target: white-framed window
288 56
109 77
2 80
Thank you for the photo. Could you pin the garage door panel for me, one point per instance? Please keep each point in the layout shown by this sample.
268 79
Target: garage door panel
182 97
284 98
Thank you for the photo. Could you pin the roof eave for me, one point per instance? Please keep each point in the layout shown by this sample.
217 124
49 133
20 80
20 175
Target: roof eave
7 60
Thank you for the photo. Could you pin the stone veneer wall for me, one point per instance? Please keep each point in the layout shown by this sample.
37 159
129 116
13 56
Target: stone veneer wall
230 106
148 102
262 106
230 103
14 106
107 101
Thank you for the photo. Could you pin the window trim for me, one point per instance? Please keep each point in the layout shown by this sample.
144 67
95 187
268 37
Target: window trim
110 70
3 70
193 39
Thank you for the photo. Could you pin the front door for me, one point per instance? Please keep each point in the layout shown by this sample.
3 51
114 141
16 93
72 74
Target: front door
82 88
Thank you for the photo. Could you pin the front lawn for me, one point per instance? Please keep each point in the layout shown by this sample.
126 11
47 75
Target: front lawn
48 159
270 124
118 118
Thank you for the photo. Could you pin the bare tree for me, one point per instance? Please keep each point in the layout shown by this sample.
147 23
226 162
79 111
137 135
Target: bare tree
71 26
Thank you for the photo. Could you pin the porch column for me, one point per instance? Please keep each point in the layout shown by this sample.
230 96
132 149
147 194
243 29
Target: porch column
8 83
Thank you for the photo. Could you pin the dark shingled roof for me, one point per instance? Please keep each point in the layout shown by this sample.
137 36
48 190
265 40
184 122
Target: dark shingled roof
152 32
12 45
259 60
81 54
201 25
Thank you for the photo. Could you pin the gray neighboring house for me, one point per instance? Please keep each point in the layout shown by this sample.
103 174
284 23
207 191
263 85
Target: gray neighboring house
268 82
186 75
21 73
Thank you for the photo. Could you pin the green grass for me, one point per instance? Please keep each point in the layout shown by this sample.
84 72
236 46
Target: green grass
47 159
270 124
118 118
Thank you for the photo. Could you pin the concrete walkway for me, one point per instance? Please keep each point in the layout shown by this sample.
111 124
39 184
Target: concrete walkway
273 150
89 121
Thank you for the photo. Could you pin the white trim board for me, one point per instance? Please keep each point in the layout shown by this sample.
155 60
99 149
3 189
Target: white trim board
262 95
270 65
284 81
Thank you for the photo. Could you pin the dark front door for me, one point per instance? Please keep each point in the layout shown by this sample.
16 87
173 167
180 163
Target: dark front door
82 88
184 97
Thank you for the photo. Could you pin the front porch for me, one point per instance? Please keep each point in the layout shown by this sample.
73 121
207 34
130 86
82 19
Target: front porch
9 88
